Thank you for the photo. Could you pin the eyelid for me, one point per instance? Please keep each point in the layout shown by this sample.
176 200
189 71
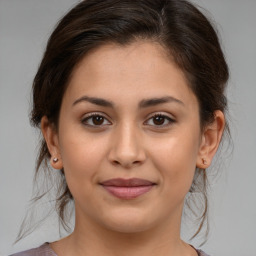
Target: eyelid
92 114
162 114
87 116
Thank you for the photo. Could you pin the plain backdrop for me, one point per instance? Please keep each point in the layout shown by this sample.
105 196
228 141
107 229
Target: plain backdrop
25 26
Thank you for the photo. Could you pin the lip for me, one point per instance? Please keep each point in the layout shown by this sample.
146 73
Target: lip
127 188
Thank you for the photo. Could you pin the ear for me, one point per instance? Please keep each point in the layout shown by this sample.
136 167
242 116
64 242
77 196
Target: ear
210 141
51 137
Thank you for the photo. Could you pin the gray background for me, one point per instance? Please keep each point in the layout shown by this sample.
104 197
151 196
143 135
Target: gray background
24 28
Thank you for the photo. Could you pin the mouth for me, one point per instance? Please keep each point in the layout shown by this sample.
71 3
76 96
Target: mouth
127 188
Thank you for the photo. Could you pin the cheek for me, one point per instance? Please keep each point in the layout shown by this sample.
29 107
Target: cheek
81 156
175 158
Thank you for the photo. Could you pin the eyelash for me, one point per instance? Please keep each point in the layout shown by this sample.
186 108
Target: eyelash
169 119
91 115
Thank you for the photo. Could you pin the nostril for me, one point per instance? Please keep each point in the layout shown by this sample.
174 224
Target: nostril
116 162
127 164
126 156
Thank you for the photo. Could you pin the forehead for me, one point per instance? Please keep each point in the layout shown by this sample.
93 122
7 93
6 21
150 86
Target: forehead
141 56
141 68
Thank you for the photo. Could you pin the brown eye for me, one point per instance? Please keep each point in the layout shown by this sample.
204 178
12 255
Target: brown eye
95 120
159 120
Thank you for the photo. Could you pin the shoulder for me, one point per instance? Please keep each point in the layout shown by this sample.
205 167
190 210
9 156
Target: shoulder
43 250
201 253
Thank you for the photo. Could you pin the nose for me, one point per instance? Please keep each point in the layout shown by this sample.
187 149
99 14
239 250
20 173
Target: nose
126 147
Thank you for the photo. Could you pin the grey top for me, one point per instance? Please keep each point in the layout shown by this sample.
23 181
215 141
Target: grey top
46 250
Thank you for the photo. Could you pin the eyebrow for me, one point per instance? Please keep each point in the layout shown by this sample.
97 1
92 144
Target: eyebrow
156 101
142 104
96 101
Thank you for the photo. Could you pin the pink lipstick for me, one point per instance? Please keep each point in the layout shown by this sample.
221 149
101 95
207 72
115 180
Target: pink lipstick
127 188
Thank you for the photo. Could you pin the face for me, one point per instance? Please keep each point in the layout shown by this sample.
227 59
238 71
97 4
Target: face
129 138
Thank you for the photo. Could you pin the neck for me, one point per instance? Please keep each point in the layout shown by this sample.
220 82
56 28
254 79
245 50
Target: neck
90 239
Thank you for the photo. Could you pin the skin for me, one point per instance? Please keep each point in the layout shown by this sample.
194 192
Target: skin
129 143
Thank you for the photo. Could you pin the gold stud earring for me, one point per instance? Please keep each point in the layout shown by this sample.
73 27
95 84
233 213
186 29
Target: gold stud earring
204 161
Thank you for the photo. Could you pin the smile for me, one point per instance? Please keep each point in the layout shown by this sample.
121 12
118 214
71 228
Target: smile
127 188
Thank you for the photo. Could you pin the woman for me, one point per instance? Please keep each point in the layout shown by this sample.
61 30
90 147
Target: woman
130 100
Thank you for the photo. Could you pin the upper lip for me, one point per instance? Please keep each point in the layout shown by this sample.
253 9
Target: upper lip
120 182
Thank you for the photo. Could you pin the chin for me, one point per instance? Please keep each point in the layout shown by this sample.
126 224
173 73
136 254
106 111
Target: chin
126 227
129 221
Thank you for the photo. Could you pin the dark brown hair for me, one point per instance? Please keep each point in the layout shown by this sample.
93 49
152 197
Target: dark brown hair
178 26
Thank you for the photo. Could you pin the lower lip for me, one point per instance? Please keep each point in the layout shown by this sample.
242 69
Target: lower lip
128 192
